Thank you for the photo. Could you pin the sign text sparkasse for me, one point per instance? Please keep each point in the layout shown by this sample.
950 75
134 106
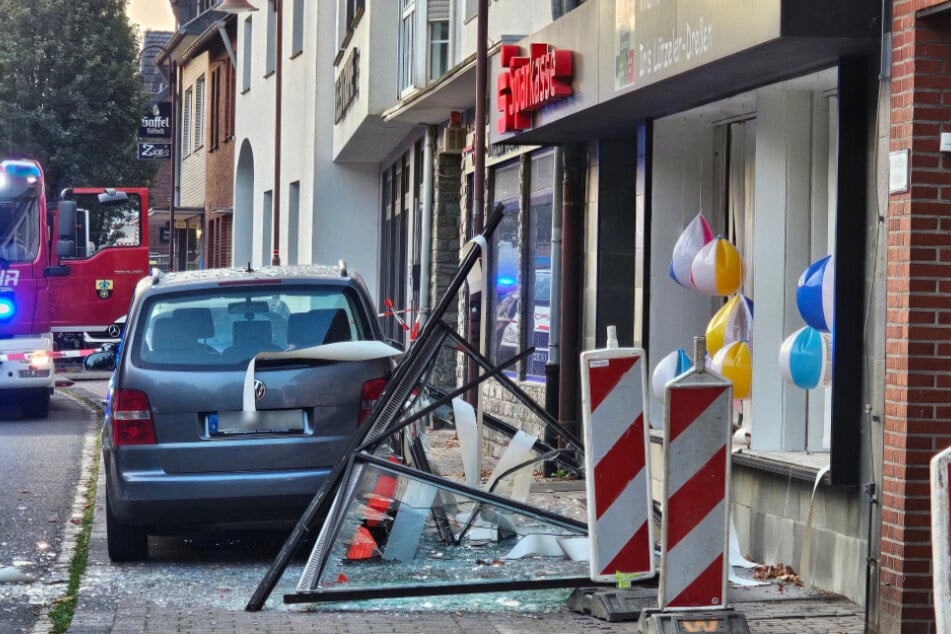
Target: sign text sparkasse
530 83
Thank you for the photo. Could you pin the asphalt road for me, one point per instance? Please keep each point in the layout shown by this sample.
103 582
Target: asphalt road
40 464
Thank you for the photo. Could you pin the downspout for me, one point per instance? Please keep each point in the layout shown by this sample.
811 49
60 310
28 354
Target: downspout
173 198
476 216
426 228
571 262
552 366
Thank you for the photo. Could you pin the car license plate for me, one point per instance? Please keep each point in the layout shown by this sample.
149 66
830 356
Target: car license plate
258 422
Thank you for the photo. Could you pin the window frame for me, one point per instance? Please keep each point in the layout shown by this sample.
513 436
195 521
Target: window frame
406 64
199 114
444 46
297 28
187 122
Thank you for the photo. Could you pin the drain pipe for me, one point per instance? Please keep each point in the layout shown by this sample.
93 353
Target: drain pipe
426 228
872 499
552 366
571 262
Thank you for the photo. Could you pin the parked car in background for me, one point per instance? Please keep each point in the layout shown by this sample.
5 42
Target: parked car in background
181 446
507 324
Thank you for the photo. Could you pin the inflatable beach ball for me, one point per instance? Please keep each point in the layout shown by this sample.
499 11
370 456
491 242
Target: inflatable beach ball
815 295
734 363
717 269
692 239
733 322
805 358
670 367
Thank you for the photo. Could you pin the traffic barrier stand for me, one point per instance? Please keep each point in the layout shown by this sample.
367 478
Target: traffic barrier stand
696 505
617 462
941 538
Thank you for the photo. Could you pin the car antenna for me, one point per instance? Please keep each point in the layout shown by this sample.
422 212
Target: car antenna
250 270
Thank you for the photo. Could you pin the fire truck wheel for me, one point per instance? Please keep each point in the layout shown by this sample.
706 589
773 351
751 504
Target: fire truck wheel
36 404
125 542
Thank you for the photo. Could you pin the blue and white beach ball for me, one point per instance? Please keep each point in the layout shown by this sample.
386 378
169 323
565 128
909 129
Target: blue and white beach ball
694 237
805 358
670 367
815 295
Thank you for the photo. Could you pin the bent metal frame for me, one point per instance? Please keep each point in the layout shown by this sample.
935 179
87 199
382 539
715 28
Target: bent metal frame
393 412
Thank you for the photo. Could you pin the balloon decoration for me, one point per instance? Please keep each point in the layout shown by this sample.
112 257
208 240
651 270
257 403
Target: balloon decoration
733 322
714 267
734 363
693 238
816 293
717 269
805 358
670 367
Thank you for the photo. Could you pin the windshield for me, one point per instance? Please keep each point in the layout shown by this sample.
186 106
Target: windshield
223 327
19 228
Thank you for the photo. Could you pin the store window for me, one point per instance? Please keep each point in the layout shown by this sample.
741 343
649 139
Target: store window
760 170
521 263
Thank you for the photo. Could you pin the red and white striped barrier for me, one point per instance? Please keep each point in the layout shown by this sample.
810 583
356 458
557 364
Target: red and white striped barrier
617 462
59 354
695 528
941 537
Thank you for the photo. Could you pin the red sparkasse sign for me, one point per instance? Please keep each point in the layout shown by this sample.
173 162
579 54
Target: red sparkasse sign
530 83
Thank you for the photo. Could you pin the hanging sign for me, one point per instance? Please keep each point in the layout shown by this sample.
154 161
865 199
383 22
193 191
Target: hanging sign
156 121
154 150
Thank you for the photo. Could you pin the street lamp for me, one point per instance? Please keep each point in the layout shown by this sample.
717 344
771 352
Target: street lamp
169 74
243 6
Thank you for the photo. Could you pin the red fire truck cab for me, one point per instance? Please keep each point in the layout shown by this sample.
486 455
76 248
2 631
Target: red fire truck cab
65 276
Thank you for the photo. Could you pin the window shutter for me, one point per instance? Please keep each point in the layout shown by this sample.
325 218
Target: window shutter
437 10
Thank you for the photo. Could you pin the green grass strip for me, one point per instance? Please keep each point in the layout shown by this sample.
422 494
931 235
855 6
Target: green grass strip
61 614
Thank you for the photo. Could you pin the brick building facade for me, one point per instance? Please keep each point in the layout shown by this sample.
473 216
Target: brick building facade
918 333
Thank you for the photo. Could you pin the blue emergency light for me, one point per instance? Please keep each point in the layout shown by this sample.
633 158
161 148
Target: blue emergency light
8 305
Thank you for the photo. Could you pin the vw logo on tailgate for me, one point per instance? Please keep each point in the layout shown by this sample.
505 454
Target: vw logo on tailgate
259 389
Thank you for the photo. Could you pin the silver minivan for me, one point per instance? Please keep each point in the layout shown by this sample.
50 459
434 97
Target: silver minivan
234 393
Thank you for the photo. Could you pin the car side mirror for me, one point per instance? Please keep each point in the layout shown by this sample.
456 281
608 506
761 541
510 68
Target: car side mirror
100 361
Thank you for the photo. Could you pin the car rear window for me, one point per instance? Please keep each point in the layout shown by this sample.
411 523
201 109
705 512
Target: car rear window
225 326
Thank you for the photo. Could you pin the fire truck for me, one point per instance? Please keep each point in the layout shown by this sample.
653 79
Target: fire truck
66 276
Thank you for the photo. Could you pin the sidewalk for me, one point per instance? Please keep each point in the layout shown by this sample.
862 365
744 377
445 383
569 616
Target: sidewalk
107 605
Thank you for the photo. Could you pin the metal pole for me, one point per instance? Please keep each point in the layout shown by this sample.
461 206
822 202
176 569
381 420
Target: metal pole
276 257
475 303
478 178
553 365
173 173
571 261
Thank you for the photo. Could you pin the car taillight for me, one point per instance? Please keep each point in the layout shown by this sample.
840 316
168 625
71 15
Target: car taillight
132 419
371 391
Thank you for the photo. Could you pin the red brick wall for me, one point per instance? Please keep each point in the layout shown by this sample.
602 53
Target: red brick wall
219 162
918 319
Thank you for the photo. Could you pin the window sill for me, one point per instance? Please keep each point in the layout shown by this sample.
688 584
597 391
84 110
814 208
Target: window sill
801 465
